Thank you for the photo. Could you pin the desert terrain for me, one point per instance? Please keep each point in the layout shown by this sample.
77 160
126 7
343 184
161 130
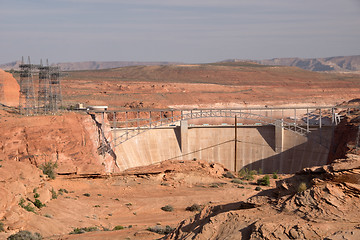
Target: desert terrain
218 85
188 199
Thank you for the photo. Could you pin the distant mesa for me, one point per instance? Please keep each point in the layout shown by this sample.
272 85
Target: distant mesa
89 65
330 64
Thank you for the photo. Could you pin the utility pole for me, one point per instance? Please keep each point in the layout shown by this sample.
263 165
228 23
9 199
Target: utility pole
235 144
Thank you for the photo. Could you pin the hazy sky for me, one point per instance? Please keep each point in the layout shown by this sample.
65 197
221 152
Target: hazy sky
189 31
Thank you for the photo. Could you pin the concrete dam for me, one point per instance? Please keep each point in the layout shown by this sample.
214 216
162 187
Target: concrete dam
270 147
256 148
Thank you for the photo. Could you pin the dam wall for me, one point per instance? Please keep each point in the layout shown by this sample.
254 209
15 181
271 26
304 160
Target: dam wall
265 147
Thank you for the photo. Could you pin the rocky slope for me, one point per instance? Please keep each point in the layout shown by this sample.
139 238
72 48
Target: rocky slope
318 203
69 139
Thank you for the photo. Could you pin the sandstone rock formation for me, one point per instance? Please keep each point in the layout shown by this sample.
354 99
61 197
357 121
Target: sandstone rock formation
9 89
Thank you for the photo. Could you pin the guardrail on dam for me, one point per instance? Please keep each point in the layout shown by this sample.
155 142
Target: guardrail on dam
282 140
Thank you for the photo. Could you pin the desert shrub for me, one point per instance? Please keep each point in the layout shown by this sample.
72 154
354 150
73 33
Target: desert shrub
86 194
246 174
194 208
216 185
228 175
238 181
62 190
258 188
167 208
27 207
2 227
265 181
53 194
48 168
36 195
48 215
302 187
118 227
84 230
260 171
275 176
38 203
25 235
97 206
160 229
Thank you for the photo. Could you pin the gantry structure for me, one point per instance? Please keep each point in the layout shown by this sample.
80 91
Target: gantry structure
48 98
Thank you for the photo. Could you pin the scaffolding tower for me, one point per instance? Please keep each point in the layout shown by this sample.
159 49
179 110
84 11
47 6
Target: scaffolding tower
27 101
55 89
44 89
49 98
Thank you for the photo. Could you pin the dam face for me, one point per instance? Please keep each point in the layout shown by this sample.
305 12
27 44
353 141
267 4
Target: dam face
265 147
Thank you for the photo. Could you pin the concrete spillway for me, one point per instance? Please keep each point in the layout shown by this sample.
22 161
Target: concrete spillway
269 148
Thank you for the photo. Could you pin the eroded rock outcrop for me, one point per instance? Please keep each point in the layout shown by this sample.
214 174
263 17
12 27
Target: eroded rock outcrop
9 89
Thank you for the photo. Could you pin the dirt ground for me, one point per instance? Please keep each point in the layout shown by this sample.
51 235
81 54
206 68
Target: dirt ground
133 199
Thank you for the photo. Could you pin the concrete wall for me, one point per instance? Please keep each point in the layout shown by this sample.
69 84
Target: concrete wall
256 147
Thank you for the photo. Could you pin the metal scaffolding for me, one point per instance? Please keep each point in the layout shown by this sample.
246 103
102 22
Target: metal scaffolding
55 89
49 99
27 101
43 91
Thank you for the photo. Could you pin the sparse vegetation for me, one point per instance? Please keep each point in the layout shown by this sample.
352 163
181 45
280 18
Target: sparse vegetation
62 190
97 206
25 235
160 229
36 195
246 174
194 208
48 215
229 175
264 181
84 230
86 194
258 188
216 185
27 207
275 176
238 181
48 168
167 208
53 194
118 227
38 203
302 187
